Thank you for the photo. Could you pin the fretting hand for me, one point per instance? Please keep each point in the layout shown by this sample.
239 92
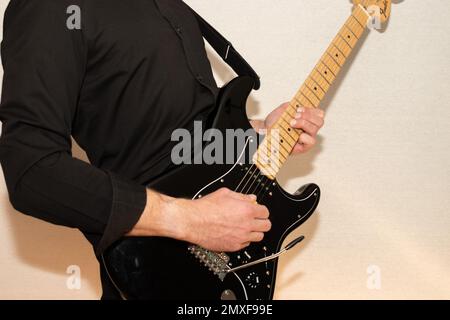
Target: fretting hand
309 120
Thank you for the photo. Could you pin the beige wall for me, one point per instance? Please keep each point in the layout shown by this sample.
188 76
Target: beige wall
382 163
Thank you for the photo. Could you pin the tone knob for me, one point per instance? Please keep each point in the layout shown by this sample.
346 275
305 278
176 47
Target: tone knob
253 280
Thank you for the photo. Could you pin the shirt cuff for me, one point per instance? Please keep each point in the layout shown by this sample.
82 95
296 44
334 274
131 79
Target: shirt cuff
128 202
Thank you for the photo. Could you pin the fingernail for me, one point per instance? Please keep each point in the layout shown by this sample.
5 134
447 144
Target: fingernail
298 115
301 109
252 196
293 123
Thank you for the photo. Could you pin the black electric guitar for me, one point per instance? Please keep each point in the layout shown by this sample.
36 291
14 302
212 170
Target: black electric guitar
162 268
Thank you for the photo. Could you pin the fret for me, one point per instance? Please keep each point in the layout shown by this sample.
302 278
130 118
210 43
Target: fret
291 140
303 101
291 110
349 36
315 88
283 139
331 64
355 26
272 160
323 83
357 14
342 45
285 124
315 98
275 149
279 151
337 56
319 83
323 70
285 148
294 104
287 130
286 118
266 170
309 95
280 141
361 16
357 20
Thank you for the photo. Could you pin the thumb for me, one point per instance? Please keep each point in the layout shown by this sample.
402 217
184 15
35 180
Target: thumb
244 197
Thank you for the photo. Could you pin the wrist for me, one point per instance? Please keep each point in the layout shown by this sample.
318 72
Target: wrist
159 218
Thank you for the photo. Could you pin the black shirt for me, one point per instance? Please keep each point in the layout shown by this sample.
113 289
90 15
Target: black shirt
135 71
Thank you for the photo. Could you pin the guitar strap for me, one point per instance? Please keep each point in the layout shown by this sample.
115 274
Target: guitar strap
226 51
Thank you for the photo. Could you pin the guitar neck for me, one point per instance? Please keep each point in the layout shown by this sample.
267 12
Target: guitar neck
281 138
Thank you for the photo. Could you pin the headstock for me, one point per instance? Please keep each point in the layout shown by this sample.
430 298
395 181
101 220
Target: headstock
382 13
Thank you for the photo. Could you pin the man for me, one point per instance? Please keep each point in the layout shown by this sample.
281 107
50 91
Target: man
120 83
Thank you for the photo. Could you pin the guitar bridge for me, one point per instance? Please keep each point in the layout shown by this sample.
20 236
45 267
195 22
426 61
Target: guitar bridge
215 262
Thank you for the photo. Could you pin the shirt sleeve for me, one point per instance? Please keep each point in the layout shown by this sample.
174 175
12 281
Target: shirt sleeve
44 65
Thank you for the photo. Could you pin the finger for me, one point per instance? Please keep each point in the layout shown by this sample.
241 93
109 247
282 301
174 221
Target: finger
317 111
307 139
311 115
261 225
243 197
245 245
256 236
261 212
306 126
301 148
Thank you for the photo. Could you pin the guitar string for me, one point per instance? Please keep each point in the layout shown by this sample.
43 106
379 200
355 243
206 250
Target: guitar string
253 177
249 179
242 180
264 184
261 182
265 189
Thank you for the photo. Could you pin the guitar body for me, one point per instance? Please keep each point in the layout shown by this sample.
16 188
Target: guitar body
163 268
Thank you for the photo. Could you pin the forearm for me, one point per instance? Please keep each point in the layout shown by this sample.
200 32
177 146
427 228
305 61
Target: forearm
162 217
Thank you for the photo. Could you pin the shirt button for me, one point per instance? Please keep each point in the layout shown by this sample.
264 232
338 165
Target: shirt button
199 78
178 30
